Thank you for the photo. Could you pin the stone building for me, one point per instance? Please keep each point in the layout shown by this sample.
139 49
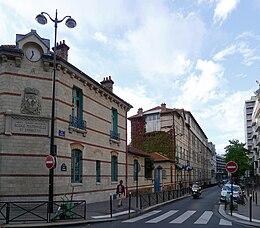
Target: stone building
90 131
175 134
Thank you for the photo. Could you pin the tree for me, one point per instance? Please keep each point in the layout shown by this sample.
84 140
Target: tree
236 152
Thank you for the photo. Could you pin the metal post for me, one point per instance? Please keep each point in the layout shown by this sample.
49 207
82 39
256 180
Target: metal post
253 194
111 207
250 207
256 198
7 213
231 196
129 204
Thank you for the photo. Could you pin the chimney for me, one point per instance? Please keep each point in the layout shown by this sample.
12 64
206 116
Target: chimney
140 111
107 83
62 50
163 106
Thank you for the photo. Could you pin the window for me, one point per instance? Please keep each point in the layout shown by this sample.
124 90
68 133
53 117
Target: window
164 174
149 166
152 123
114 168
98 171
76 119
76 166
114 133
135 169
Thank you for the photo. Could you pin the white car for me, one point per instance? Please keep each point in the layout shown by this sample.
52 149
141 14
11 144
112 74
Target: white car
227 189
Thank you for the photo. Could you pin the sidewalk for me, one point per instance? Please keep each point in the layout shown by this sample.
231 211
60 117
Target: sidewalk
242 214
100 212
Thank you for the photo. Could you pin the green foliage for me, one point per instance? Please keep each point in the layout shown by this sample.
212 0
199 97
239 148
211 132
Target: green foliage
236 152
158 142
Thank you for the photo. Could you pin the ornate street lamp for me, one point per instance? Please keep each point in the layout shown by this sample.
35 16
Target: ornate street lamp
71 23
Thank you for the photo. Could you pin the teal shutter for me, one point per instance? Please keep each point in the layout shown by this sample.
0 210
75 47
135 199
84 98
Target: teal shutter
74 100
115 120
80 105
114 169
76 166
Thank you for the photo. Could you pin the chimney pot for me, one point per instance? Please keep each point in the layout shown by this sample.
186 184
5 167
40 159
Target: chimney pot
107 83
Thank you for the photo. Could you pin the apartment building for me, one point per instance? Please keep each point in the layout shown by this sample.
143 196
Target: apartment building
175 134
252 119
90 130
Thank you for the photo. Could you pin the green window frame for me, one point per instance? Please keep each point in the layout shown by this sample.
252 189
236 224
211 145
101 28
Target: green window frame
114 169
98 171
77 100
76 166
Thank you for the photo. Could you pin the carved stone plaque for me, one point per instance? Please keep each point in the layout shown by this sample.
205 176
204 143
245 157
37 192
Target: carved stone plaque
34 126
31 103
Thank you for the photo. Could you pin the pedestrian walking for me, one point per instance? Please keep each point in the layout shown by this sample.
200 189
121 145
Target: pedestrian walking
120 190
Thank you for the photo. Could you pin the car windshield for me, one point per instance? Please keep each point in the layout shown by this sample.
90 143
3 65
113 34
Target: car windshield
195 186
228 188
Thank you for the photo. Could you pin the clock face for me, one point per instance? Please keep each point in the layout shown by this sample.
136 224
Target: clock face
32 53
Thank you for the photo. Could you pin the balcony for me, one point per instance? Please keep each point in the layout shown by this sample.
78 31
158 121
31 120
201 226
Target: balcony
78 125
114 137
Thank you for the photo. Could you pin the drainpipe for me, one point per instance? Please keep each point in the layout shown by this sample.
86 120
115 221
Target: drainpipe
126 154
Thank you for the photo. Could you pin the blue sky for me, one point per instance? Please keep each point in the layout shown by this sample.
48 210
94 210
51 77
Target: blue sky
200 55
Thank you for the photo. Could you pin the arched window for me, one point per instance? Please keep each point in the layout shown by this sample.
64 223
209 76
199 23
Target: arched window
114 168
76 166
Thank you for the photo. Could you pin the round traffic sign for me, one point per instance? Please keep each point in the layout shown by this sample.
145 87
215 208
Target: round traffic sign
231 167
50 162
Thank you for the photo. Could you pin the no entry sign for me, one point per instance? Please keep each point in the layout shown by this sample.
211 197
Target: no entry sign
231 167
50 162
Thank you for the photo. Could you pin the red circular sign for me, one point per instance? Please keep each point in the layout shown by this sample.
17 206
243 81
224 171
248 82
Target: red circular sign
50 162
231 167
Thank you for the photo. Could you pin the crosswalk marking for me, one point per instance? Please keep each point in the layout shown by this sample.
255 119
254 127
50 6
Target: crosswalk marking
142 216
162 217
224 222
183 217
204 218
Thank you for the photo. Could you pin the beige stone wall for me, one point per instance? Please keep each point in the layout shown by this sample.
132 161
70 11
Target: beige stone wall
23 174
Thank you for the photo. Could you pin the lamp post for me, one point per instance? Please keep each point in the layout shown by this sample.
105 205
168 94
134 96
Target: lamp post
71 23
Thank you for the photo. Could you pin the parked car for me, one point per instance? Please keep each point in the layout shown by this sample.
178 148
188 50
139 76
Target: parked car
227 189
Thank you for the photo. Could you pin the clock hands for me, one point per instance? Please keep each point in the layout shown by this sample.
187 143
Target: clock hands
32 54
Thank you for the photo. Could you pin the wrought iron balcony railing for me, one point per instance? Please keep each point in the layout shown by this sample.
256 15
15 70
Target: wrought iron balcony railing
78 123
114 135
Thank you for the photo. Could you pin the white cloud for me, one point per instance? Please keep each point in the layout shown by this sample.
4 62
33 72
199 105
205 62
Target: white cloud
100 37
161 44
249 55
201 88
223 9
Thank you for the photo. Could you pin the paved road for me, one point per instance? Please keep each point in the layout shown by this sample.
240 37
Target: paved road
188 213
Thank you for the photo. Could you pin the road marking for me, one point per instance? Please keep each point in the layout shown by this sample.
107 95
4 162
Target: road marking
183 217
162 217
142 216
204 218
224 222
113 215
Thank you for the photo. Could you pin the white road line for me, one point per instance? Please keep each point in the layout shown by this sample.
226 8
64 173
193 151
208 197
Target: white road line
204 218
183 217
162 217
224 222
142 216
113 215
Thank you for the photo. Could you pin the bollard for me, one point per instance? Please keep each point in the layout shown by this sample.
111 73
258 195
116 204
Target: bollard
250 207
256 198
111 207
129 204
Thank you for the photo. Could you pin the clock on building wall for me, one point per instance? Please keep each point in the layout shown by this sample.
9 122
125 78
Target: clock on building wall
32 52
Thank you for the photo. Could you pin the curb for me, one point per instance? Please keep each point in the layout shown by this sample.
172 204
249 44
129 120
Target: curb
223 213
